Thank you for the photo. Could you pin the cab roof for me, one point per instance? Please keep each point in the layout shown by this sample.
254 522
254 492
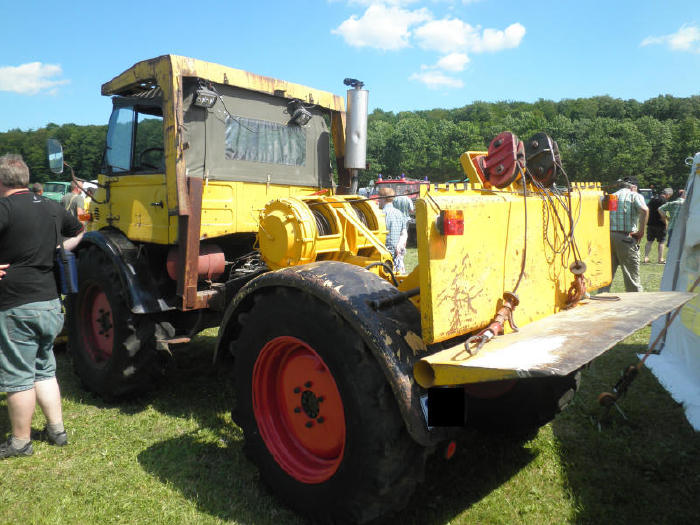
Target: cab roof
148 75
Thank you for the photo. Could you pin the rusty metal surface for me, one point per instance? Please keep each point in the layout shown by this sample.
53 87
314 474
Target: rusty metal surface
556 345
132 79
189 242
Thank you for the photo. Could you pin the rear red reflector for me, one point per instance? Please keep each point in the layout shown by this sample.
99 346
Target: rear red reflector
450 449
451 222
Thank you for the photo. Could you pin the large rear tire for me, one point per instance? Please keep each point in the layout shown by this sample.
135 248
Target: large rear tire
319 417
115 352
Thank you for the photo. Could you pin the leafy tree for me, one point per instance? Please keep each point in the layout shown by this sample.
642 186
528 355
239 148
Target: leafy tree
406 149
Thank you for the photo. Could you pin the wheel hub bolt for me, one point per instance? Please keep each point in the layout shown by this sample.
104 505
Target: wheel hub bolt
309 402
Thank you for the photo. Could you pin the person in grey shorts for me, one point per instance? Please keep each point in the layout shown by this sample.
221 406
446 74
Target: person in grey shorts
30 310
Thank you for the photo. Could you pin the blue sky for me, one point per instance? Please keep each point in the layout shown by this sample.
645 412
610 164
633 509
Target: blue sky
411 54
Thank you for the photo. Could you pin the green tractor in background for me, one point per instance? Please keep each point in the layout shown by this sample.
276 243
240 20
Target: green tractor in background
55 190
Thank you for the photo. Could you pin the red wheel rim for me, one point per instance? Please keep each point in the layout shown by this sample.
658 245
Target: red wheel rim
299 410
97 324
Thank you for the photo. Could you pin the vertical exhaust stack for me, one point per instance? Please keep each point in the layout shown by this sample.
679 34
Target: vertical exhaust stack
356 131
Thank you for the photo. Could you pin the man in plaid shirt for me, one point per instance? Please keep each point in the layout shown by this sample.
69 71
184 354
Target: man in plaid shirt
396 228
627 225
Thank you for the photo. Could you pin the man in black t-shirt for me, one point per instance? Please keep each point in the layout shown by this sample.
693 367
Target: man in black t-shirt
656 229
30 310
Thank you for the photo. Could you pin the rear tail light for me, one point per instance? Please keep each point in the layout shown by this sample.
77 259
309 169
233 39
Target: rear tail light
450 222
610 202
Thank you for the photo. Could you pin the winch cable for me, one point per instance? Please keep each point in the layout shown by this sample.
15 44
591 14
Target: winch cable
569 241
609 399
551 209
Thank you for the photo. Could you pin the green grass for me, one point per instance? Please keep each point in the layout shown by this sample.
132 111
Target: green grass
175 457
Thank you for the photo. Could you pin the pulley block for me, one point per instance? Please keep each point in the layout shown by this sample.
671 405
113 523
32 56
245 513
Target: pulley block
542 154
505 160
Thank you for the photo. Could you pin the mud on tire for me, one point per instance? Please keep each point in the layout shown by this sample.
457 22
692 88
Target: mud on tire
301 369
114 351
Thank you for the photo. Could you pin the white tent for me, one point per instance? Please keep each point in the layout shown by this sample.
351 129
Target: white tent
677 367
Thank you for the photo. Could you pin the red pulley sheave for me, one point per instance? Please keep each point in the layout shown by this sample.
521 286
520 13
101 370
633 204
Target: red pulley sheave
506 157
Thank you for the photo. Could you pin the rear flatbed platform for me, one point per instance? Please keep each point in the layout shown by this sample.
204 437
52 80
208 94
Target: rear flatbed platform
555 345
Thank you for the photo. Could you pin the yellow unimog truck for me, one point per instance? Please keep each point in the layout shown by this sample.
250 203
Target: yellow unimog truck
217 206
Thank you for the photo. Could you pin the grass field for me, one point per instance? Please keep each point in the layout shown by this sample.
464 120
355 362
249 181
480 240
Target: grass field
174 456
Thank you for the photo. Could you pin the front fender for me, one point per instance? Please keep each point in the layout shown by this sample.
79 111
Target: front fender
143 296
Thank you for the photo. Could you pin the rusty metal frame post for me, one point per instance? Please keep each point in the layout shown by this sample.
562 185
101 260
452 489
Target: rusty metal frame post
189 229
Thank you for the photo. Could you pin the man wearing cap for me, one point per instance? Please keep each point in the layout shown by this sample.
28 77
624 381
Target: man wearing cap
627 225
656 229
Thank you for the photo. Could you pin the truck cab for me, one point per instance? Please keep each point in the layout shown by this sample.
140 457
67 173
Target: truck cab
55 190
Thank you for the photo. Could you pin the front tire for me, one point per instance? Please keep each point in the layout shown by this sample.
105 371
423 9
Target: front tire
319 417
115 352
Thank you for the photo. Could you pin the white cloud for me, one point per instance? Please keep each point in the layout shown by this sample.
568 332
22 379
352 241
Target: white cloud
452 34
453 62
687 38
495 40
446 35
392 25
381 27
31 78
436 79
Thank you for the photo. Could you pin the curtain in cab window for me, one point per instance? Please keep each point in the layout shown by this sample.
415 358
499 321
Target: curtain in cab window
261 141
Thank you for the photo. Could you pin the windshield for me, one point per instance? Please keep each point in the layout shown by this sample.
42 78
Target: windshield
135 140
54 187
410 189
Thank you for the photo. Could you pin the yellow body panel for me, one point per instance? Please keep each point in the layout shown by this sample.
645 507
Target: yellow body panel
462 277
234 207
137 207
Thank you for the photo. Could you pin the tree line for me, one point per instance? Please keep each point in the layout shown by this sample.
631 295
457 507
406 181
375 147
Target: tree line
83 147
600 139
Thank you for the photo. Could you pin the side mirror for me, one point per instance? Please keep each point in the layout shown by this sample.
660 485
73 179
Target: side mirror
55 151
